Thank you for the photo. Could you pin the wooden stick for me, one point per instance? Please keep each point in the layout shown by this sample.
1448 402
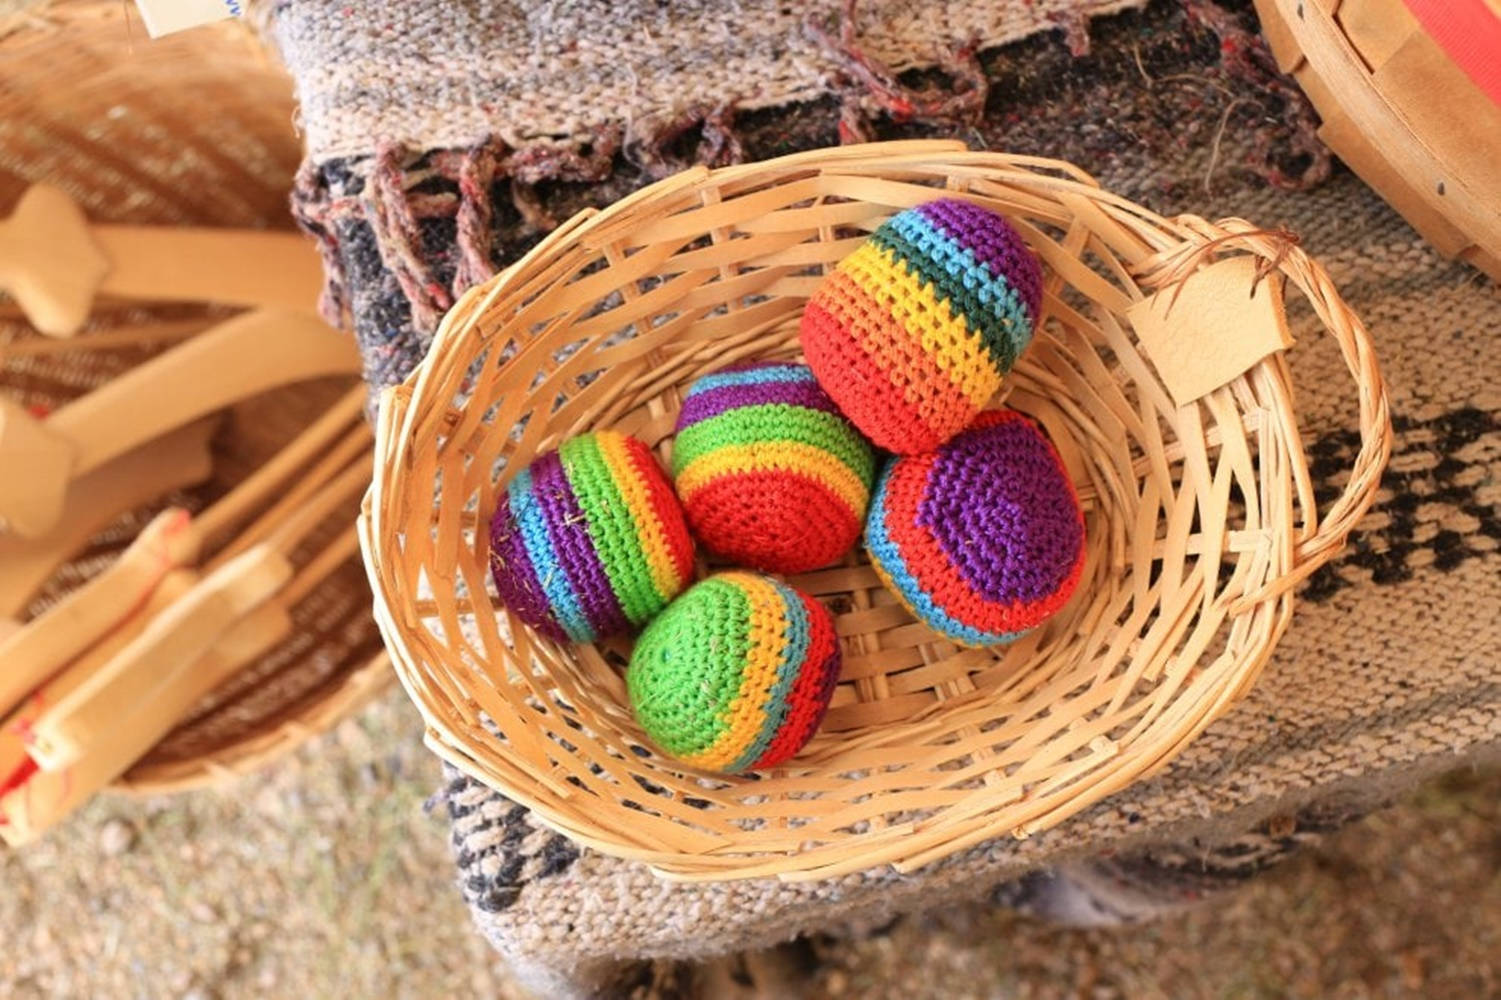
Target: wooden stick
340 490
239 358
353 448
238 267
69 627
54 263
33 799
48 261
172 540
46 797
116 339
235 506
15 731
338 552
148 666
170 462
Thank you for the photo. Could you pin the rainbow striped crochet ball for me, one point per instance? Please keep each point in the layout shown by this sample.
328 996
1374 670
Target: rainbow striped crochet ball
589 541
736 674
771 474
983 538
912 333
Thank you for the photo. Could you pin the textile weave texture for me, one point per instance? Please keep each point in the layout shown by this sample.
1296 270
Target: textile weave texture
1391 670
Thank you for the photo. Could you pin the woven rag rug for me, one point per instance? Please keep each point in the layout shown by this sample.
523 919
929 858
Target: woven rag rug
444 135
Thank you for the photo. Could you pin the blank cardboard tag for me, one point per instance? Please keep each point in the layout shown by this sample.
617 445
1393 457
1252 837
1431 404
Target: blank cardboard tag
163 17
1211 329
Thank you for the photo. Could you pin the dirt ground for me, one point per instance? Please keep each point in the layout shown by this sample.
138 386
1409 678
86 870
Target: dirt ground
326 878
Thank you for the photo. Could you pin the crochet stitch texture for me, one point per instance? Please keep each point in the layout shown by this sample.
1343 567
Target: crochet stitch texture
983 538
589 541
771 475
736 674
912 333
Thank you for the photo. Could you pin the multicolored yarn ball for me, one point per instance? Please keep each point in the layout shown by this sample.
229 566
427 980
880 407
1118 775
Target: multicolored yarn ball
912 333
983 538
770 473
736 674
589 541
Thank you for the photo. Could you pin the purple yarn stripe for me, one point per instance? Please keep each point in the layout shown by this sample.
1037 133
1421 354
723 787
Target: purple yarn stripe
701 406
587 574
1002 249
1020 545
515 577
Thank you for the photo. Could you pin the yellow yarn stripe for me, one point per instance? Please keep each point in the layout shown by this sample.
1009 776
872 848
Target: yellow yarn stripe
821 466
649 528
945 336
766 643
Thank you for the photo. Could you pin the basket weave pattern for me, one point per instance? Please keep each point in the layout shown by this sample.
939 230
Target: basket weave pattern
1200 520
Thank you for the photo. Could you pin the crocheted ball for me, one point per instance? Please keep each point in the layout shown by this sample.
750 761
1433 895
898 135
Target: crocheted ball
770 473
912 333
736 674
983 538
589 541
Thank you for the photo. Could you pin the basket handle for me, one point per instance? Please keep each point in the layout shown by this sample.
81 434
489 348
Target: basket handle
1355 346
1279 251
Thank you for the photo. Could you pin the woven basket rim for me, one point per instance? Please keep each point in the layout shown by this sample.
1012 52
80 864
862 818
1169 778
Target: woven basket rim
354 690
583 784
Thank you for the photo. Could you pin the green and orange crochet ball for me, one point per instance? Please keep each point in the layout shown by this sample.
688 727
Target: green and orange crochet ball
589 541
736 674
771 475
912 333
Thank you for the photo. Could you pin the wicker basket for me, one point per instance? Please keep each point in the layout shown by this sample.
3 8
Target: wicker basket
1401 112
195 128
927 748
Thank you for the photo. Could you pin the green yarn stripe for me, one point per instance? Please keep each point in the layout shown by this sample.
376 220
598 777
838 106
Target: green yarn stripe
768 423
701 679
611 528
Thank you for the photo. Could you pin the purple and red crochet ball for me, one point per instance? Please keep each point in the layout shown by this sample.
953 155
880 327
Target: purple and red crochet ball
913 332
588 541
983 538
770 473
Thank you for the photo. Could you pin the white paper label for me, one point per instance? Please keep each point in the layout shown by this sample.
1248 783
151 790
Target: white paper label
163 17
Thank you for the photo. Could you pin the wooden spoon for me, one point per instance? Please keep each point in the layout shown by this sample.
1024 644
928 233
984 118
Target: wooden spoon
54 262
239 358
177 459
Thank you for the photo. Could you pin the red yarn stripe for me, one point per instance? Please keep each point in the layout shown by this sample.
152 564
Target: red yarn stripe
930 566
898 353
823 526
809 698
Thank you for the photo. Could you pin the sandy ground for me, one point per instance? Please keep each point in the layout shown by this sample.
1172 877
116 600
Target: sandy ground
326 878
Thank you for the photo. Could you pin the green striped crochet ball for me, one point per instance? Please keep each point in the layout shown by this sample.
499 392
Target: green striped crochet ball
736 674
588 541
